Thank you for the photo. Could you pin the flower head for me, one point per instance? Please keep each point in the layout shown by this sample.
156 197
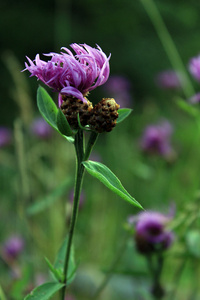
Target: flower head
41 128
156 139
194 67
73 75
151 233
168 79
5 136
13 247
195 99
119 88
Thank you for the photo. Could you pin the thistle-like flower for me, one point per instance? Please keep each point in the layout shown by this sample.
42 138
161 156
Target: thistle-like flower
72 75
156 139
151 233
169 80
194 67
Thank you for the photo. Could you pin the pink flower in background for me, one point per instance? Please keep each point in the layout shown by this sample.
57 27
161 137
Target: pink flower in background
168 79
13 247
194 67
5 136
195 99
41 128
73 75
151 233
156 139
119 88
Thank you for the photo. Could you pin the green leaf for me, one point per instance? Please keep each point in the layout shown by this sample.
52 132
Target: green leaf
123 114
193 242
46 201
108 178
44 291
60 259
49 110
56 273
2 295
63 124
188 108
47 107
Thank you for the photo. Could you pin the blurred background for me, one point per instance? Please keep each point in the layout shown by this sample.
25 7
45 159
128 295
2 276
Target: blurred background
37 165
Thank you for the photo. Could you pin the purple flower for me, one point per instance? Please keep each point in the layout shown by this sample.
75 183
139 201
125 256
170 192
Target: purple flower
156 139
194 67
13 247
168 79
5 136
73 75
195 99
151 233
41 128
119 88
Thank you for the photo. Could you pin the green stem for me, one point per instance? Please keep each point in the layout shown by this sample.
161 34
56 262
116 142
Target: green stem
78 183
79 147
168 45
155 268
91 143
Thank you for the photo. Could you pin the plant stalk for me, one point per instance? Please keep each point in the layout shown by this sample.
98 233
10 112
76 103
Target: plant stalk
81 156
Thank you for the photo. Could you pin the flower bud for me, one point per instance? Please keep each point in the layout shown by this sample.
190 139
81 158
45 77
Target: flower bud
151 233
72 106
104 115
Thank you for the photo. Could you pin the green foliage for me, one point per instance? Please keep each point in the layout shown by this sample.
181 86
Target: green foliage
188 108
123 114
44 291
47 107
58 267
2 295
45 202
59 262
193 242
63 124
52 114
108 178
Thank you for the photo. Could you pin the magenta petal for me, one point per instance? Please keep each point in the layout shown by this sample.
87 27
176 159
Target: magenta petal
71 91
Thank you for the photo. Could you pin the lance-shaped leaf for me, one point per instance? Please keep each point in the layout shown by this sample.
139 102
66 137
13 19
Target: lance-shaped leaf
63 124
44 291
47 107
60 259
49 111
187 107
123 114
108 178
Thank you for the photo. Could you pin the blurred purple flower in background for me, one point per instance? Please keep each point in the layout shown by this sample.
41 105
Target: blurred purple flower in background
119 88
168 79
13 247
156 139
194 67
151 233
5 136
41 128
72 75
195 99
